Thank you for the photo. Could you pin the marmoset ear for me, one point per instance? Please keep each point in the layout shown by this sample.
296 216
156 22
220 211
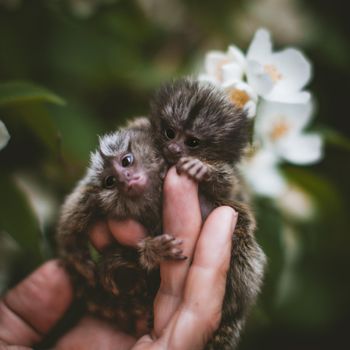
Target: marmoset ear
140 123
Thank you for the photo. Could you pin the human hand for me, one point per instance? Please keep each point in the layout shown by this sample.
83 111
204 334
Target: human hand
188 304
30 310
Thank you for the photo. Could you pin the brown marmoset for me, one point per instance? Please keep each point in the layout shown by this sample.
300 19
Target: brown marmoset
124 181
200 130
196 127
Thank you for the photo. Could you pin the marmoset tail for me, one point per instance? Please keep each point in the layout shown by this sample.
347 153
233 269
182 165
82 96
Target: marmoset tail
199 129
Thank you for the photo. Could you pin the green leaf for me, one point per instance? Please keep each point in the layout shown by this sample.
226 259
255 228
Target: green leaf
77 120
37 118
335 138
14 92
17 218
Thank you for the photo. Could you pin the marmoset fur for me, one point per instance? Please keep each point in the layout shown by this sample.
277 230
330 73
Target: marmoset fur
197 128
123 181
201 131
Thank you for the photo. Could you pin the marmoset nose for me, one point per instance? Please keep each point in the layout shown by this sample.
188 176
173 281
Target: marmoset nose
136 177
174 148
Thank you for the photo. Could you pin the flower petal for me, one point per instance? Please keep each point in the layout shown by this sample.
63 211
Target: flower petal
212 59
258 79
243 96
250 108
4 135
261 46
294 68
296 203
232 72
222 66
243 86
236 55
269 182
262 174
277 76
208 78
282 96
302 149
277 121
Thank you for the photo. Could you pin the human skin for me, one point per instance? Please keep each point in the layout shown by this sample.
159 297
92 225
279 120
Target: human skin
187 308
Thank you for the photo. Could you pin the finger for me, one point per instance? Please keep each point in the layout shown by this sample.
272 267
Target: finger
196 168
181 218
200 314
202 172
147 343
4 346
100 235
189 165
127 232
214 244
207 278
31 309
92 334
181 163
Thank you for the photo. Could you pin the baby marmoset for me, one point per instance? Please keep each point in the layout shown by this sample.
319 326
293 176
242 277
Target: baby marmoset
123 181
199 130
204 134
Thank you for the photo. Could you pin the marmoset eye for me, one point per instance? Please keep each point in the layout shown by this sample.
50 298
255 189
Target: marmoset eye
109 181
170 133
192 142
127 160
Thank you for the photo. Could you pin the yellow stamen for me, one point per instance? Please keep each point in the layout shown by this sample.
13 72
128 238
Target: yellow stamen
238 97
272 71
279 130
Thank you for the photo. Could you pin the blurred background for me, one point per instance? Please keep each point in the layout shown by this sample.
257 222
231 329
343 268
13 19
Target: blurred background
73 69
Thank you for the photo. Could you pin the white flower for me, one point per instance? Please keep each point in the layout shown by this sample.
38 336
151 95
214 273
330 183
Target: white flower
262 174
223 67
279 128
296 203
277 76
243 96
4 135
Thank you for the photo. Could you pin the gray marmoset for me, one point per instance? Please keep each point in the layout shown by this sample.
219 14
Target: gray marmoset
197 128
124 181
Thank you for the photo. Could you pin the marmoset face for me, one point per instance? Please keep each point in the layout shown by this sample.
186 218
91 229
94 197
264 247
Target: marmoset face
125 167
196 119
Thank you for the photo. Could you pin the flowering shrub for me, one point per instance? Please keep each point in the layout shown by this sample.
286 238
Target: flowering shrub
270 87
